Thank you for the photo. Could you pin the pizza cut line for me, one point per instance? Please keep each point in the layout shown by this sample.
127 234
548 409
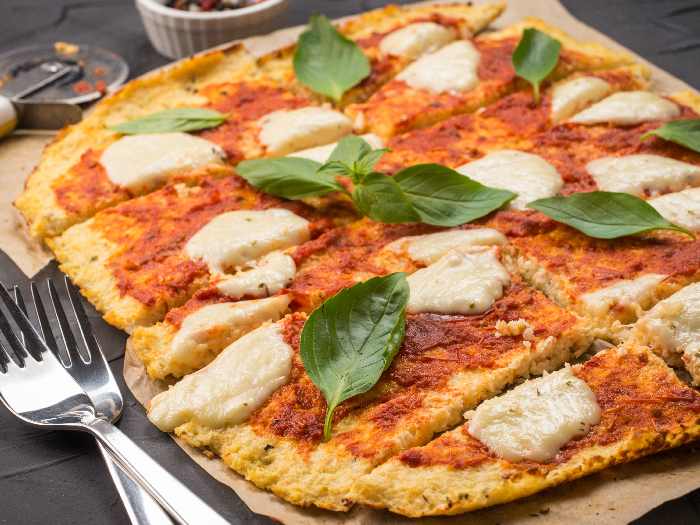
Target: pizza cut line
215 279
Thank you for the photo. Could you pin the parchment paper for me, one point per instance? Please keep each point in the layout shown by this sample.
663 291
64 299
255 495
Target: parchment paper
615 496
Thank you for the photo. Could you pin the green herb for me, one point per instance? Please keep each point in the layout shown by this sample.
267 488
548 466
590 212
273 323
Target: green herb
424 193
352 157
382 200
535 58
444 197
605 215
326 61
289 177
685 132
180 119
352 338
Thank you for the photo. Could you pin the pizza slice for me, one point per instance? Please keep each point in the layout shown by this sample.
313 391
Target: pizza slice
391 38
472 328
465 76
266 120
506 124
614 281
301 278
141 258
623 404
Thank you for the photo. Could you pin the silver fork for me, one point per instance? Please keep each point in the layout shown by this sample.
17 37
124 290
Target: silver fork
95 377
39 391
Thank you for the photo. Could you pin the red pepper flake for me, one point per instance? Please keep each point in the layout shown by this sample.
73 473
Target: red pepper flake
83 87
101 86
99 71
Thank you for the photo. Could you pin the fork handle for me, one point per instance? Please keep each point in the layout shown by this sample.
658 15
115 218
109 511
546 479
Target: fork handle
178 500
140 505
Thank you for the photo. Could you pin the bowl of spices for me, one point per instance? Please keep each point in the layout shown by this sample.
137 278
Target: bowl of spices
178 28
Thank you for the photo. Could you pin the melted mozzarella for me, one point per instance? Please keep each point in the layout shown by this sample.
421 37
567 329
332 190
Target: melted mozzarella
572 96
627 293
636 174
225 322
528 175
534 420
462 282
274 272
322 153
415 40
452 69
226 391
238 238
141 163
673 325
628 109
286 131
428 249
682 208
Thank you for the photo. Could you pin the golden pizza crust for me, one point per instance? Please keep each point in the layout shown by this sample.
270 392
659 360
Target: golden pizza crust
688 98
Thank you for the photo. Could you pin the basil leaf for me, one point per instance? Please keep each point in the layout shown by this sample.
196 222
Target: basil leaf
444 197
326 61
350 150
382 200
336 167
685 132
348 341
180 119
535 57
605 215
288 177
366 163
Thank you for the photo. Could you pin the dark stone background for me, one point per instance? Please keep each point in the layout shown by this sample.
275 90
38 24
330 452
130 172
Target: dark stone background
59 478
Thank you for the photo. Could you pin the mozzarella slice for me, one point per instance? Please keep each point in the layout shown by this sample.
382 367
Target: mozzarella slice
322 153
415 40
534 420
238 238
673 325
682 208
528 175
463 282
225 322
637 174
572 96
225 392
428 249
288 130
626 293
453 69
141 163
274 272
628 109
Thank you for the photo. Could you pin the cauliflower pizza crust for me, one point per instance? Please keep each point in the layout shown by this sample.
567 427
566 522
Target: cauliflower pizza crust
157 261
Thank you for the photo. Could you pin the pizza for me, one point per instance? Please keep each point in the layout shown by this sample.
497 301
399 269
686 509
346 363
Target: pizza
493 393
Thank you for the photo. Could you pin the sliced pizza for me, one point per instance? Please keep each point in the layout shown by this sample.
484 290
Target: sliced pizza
391 38
139 259
466 75
472 328
623 404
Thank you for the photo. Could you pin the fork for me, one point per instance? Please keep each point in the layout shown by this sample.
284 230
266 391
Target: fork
95 377
39 391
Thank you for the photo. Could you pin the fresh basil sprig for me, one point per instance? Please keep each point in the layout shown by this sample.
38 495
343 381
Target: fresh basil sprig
685 132
604 214
179 119
428 193
348 341
328 62
535 57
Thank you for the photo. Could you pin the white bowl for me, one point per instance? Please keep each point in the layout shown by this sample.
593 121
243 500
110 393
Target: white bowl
177 34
